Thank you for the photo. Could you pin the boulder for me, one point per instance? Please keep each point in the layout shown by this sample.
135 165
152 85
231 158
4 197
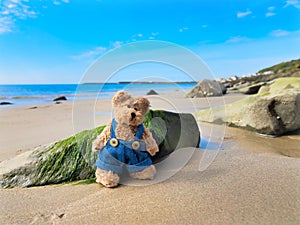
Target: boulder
60 98
251 89
152 92
273 111
72 159
5 103
207 88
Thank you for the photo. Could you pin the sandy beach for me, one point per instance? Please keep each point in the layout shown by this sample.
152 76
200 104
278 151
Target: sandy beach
250 181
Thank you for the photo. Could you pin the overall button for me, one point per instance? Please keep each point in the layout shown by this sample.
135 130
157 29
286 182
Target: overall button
135 145
114 142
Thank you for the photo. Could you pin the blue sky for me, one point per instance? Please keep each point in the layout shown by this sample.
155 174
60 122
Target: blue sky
55 41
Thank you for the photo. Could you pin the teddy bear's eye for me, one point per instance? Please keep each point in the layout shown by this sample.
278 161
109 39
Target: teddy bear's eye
136 109
128 106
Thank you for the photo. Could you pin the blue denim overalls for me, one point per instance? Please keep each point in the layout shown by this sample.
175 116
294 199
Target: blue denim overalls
118 153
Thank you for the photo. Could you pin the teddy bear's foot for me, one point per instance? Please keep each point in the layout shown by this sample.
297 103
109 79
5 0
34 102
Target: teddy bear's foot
146 174
107 178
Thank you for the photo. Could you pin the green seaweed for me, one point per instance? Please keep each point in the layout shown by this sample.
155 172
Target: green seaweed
68 160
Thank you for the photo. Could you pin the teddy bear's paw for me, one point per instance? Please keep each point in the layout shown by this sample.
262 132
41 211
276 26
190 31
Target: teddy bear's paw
146 174
107 178
153 151
97 145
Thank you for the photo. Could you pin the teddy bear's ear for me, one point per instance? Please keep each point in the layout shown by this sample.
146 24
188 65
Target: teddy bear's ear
120 97
143 103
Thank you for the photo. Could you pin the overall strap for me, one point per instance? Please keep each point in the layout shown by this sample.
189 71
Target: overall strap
113 128
140 131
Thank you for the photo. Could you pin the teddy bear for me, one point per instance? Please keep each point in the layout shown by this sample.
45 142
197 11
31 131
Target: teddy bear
125 143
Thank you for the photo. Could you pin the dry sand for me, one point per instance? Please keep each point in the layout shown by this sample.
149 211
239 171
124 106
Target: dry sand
249 182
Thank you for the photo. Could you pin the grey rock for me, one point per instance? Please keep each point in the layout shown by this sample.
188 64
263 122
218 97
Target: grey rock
72 159
61 98
6 103
251 89
172 131
207 88
152 92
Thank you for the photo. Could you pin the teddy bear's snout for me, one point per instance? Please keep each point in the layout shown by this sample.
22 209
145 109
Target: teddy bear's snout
133 115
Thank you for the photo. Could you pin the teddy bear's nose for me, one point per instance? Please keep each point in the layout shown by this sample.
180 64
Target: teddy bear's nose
133 115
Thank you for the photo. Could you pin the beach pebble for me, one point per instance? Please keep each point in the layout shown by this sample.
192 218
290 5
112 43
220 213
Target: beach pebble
60 98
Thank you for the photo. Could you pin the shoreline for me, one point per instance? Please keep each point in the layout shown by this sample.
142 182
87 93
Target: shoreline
43 94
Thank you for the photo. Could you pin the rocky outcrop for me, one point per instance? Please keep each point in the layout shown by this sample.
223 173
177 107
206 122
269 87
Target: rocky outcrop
207 88
61 98
275 110
72 159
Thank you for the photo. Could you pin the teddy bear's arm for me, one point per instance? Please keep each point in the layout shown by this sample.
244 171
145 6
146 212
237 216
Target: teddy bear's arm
102 139
151 145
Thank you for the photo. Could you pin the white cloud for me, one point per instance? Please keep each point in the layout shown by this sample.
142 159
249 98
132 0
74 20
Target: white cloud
183 29
243 14
279 33
140 35
237 39
153 35
91 53
270 11
269 14
10 11
294 3
59 2
56 3
5 25
204 26
117 44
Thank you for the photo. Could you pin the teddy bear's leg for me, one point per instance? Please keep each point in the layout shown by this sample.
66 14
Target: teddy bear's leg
146 174
107 178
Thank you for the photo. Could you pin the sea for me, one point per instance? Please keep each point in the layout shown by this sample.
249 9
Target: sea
36 94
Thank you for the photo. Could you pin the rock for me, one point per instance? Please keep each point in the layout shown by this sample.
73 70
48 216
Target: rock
172 131
61 98
223 88
263 89
72 159
274 111
207 88
251 89
152 92
6 103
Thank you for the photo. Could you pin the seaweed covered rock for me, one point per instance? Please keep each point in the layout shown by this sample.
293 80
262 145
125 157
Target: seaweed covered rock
66 160
72 159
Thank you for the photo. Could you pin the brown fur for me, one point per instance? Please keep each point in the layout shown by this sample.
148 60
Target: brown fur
124 105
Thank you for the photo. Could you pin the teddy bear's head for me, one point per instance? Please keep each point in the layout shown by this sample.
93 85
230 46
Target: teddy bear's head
129 110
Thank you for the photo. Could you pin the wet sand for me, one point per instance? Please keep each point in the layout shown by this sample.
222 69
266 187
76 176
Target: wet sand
250 181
